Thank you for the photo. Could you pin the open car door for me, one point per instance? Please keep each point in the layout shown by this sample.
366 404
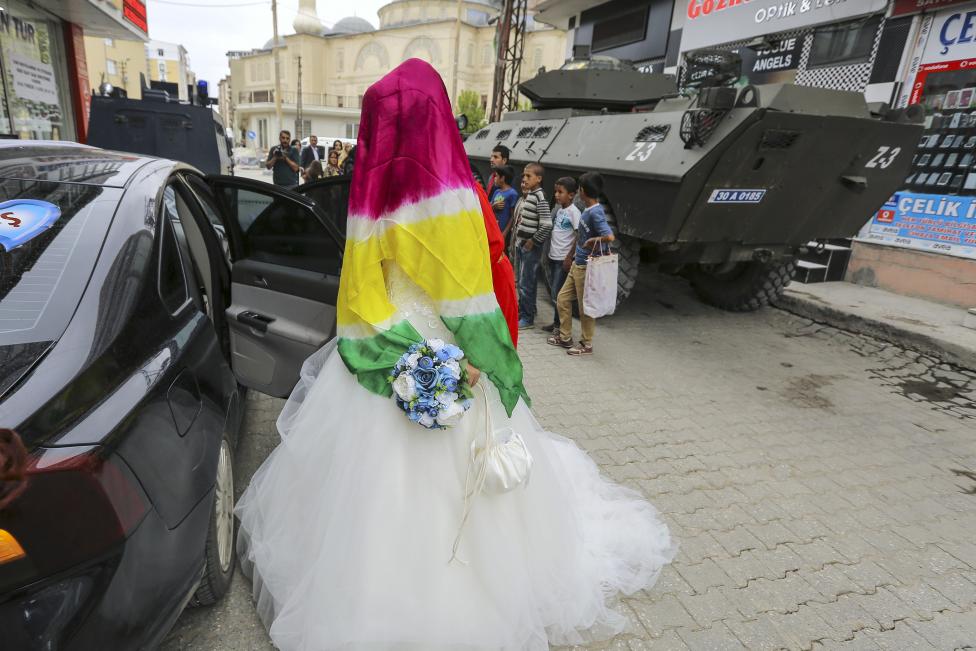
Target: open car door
286 254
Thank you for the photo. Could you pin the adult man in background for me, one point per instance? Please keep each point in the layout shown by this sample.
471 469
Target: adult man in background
312 153
499 159
283 161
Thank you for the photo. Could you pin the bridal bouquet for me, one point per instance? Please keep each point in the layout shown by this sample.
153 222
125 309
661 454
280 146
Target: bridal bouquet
430 385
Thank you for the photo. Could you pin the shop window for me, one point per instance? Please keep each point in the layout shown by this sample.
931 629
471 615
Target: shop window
621 29
844 44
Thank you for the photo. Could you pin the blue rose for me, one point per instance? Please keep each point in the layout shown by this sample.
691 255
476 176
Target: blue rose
426 379
453 352
425 363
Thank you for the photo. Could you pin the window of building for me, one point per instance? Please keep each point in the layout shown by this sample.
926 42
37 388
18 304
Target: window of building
844 44
621 29
486 55
340 60
109 42
303 128
340 101
160 52
469 52
110 67
38 107
537 58
352 130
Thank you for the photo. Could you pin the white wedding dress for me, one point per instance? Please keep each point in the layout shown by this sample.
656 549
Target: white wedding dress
348 526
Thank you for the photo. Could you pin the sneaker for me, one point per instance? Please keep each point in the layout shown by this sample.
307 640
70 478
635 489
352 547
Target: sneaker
525 325
580 349
549 327
556 341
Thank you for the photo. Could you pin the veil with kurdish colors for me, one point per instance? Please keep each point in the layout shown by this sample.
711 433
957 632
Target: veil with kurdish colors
413 202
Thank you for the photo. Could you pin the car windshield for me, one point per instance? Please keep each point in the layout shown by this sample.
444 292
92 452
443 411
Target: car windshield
50 236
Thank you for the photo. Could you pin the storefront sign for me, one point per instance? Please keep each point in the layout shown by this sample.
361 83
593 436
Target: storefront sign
783 55
134 11
33 80
713 22
945 43
936 223
906 7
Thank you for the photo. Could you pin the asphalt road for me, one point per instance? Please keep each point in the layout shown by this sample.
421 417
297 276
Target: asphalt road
822 485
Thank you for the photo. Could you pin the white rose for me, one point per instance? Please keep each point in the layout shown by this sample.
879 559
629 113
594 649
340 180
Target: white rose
405 387
412 360
436 344
447 398
450 415
427 420
455 368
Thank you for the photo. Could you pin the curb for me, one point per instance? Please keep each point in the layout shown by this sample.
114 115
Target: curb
930 345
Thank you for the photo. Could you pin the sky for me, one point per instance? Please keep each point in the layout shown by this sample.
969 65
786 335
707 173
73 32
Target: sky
208 29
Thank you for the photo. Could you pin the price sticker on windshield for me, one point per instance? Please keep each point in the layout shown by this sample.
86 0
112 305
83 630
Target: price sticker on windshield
21 220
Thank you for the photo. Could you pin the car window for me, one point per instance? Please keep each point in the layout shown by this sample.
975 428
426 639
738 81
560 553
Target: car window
205 200
280 231
172 278
46 259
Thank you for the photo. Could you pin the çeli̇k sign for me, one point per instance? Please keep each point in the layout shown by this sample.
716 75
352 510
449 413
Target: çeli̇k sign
936 223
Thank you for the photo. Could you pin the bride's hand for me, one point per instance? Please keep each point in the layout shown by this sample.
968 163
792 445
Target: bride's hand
473 375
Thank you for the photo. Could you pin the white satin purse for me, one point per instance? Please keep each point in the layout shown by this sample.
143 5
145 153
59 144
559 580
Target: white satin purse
500 466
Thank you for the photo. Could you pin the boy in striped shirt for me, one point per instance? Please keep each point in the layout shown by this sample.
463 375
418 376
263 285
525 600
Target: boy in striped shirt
533 225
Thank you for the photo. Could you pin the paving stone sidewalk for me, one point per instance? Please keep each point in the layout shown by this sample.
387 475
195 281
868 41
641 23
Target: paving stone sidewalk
822 485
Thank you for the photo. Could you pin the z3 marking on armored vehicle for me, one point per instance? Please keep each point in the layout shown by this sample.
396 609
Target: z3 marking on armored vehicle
727 186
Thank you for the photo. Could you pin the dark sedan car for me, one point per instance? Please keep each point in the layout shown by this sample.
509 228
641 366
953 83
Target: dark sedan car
138 298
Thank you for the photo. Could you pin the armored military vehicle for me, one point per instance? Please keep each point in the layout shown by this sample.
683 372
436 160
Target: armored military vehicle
158 125
724 184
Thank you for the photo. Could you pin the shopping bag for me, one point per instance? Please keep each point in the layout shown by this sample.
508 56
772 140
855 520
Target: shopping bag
600 288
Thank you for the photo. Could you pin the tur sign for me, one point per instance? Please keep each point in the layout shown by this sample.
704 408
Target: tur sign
713 22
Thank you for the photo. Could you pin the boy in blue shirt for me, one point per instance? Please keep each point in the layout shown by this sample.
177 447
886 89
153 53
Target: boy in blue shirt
592 236
503 199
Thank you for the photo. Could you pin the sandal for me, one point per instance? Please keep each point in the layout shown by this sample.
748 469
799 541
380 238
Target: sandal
556 341
580 349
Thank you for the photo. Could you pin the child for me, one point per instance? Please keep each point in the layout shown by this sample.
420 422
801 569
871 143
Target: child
532 227
562 243
503 199
592 235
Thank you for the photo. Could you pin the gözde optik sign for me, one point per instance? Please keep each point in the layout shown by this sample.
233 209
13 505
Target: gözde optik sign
712 22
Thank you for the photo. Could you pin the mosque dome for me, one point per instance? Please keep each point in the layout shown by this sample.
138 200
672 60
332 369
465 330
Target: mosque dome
352 25
270 43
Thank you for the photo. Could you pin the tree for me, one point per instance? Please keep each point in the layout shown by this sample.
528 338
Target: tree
470 104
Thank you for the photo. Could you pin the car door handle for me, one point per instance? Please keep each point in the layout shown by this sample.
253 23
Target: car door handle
261 281
254 320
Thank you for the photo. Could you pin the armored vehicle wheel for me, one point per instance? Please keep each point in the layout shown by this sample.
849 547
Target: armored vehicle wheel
742 286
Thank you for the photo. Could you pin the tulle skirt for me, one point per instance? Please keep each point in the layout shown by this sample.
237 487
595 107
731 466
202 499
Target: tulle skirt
347 531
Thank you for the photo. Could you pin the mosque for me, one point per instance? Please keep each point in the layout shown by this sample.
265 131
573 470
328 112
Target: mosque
338 64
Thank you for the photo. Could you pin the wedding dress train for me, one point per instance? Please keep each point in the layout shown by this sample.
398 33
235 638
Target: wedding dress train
347 527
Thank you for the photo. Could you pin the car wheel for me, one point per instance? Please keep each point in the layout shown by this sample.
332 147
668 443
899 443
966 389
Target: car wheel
219 554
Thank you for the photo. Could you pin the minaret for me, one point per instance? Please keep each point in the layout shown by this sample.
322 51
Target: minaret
306 20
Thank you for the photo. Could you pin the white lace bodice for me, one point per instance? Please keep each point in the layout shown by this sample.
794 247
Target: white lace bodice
414 304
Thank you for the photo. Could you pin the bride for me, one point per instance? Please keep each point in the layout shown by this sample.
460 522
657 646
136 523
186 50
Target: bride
363 529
